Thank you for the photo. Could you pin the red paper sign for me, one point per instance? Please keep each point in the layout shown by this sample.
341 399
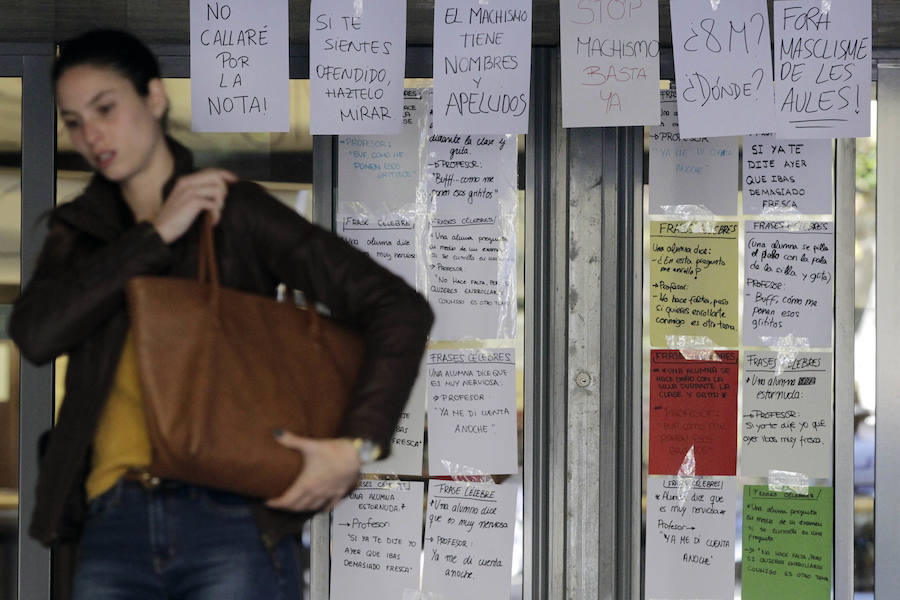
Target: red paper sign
693 405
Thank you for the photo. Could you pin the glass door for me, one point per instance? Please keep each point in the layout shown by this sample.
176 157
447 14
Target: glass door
10 234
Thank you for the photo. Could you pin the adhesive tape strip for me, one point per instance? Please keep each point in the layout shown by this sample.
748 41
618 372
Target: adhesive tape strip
788 481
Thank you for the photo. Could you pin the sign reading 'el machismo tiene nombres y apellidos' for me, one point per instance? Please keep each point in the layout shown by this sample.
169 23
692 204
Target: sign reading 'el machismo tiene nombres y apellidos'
482 66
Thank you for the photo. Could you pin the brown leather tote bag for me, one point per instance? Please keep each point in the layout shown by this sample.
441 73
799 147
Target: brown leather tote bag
222 369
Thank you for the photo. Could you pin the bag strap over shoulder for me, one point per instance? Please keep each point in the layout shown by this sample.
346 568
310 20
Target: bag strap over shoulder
207 269
208 272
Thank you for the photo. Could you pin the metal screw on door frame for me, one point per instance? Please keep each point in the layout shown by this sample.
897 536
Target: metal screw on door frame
583 379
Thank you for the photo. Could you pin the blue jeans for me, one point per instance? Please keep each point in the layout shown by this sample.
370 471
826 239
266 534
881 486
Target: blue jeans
179 542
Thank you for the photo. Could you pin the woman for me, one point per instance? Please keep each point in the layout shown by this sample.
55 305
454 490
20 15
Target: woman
138 537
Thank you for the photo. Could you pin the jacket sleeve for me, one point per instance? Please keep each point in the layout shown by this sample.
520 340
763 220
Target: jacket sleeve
394 318
72 292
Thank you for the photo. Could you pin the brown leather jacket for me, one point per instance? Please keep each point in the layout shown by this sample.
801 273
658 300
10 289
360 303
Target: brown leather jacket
75 304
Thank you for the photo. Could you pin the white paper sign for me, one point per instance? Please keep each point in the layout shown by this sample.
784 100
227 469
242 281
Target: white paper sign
375 537
786 176
471 194
823 68
482 66
379 174
471 174
690 538
610 62
472 412
469 539
471 265
723 67
787 414
690 176
239 65
789 283
408 441
356 66
390 240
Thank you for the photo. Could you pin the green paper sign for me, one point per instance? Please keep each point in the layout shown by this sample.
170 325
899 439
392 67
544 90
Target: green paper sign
787 543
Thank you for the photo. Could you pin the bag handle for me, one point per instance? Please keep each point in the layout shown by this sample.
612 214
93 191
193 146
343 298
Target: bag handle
208 272
207 269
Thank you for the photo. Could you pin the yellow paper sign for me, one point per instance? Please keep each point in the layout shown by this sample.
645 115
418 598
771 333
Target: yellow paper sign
693 283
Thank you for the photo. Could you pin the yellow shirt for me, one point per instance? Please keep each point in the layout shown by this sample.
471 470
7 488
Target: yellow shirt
121 440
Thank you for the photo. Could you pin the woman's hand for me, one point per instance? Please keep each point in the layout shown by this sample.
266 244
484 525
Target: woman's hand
330 471
192 194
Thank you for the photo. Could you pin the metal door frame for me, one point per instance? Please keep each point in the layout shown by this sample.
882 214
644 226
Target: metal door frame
33 62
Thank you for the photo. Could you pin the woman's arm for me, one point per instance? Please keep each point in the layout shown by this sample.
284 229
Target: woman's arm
73 290
393 318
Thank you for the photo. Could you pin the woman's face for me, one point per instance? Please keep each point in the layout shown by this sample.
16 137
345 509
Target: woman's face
114 128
